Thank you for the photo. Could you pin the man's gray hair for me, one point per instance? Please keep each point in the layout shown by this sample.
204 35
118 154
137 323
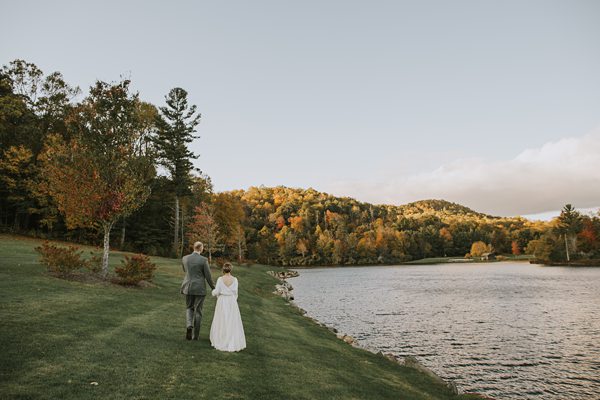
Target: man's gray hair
198 246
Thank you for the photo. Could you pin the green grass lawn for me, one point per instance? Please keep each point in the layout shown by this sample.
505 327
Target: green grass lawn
58 336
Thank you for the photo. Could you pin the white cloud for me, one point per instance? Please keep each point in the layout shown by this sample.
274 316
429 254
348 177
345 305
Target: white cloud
547 216
537 180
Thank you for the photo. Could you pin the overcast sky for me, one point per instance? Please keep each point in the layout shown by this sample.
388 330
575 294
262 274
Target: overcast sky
492 104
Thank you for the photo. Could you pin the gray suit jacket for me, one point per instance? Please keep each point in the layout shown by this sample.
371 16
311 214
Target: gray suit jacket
197 273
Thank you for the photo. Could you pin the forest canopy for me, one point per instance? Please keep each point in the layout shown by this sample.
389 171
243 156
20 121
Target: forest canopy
83 167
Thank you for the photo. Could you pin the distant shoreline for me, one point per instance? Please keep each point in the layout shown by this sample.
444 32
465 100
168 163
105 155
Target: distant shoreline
456 261
422 261
577 263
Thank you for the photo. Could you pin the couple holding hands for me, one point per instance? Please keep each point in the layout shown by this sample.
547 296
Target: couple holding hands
226 331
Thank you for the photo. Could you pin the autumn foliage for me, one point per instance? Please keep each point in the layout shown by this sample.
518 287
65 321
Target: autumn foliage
515 250
204 228
134 269
101 172
479 248
61 261
86 170
304 227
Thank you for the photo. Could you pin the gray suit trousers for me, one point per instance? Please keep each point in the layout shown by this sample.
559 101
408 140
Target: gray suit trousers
194 312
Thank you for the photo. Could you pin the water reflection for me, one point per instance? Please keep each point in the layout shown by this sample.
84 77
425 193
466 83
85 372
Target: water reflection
510 330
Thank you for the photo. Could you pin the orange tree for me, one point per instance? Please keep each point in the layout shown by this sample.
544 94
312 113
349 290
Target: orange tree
101 171
203 227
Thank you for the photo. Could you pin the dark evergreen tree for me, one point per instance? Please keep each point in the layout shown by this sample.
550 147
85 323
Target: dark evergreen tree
176 127
569 225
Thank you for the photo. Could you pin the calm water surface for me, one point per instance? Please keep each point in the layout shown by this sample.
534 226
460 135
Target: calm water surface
509 330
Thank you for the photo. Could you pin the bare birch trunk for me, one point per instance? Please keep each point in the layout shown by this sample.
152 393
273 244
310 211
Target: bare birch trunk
567 248
182 237
107 228
176 227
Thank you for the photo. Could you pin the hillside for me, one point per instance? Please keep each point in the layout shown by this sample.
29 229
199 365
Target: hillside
288 226
440 206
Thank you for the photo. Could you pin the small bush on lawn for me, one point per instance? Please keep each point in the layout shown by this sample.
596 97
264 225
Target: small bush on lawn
94 264
135 269
61 261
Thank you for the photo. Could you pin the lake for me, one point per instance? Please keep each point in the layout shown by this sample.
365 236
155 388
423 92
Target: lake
509 330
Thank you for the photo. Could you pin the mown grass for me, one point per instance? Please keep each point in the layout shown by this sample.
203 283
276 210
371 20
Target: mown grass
59 336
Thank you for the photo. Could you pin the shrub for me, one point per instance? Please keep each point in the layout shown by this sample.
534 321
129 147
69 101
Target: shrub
94 264
135 269
61 261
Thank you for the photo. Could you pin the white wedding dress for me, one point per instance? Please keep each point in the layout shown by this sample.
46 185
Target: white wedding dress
227 331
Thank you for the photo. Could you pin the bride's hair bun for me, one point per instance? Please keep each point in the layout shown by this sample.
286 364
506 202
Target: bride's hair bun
227 267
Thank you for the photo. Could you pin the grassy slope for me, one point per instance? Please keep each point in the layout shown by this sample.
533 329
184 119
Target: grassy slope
59 336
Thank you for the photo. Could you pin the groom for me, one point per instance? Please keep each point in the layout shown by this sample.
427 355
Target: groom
197 272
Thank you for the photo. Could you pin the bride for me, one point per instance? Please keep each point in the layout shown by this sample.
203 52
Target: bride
227 331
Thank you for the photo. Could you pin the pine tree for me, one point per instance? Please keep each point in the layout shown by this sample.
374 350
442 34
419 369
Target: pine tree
176 125
569 224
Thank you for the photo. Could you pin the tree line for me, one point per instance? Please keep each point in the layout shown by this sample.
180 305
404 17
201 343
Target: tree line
82 167
304 227
107 167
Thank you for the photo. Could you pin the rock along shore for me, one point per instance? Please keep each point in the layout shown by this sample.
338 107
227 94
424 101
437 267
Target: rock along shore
284 289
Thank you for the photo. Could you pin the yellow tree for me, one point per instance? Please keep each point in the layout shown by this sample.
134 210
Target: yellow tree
296 223
229 215
302 247
478 248
102 172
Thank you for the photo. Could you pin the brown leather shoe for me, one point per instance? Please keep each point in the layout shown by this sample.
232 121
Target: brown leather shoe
188 333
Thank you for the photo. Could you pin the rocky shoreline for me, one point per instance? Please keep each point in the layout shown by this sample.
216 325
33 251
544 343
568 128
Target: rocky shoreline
284 289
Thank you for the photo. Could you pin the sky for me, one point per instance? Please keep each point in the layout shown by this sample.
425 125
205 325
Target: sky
491 104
